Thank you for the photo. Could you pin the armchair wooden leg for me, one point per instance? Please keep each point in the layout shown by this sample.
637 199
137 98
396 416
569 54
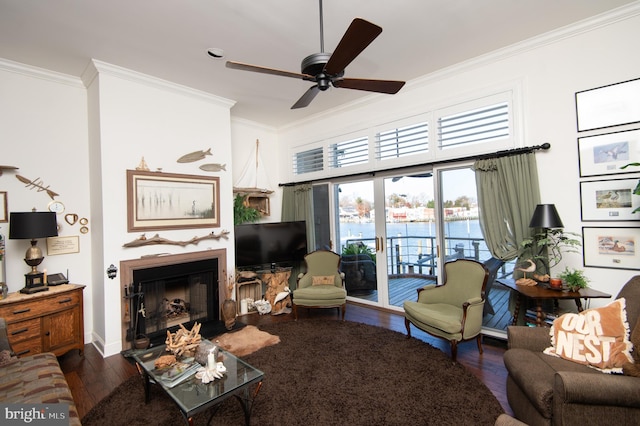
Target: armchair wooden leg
454 350
407 324
479 340
344 310
295 312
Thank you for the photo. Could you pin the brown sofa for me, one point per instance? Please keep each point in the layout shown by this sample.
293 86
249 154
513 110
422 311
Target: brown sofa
34 379
546 390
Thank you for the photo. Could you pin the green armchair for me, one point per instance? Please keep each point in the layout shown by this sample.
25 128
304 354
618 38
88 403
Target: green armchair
452 311
322 286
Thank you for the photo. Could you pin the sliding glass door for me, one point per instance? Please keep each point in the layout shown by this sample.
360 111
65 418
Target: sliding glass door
394 232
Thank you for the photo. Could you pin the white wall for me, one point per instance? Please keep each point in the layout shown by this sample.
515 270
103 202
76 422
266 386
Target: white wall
43 131
135 116
548 71
244 134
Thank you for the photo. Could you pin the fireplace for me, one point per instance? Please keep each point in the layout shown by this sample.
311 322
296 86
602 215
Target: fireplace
161 292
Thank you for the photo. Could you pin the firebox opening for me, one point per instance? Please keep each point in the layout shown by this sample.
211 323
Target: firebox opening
164 297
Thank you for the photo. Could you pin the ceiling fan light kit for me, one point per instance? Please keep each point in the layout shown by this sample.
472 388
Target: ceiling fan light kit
327 69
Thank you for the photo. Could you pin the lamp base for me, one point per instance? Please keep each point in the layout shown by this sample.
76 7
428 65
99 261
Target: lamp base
33 283
31 290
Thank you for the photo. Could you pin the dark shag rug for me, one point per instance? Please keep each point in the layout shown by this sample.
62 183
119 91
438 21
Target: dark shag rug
328 372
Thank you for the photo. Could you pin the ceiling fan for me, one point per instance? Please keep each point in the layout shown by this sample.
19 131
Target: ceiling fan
327 69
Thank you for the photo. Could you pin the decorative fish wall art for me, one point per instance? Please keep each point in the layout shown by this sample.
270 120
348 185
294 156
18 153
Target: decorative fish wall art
194 156
37 184
213 167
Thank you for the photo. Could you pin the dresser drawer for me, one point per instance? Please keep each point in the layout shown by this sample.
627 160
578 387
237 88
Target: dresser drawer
40 306
27 347
23 330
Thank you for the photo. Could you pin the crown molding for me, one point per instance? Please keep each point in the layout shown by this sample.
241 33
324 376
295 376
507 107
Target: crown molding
572 30
96 67
41 73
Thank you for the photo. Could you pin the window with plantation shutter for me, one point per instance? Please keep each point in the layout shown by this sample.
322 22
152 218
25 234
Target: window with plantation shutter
484 124
403 141
349 153
308 161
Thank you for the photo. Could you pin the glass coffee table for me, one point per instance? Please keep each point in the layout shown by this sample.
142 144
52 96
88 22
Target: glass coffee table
191 395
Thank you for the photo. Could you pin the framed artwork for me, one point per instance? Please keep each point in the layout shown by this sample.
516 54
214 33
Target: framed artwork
158 200
614 248
606 154
608 106
609 200
4 216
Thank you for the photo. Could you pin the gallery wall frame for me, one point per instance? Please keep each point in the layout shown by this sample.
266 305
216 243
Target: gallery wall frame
605 154
159 201
608 106
4 215
611 247
609 200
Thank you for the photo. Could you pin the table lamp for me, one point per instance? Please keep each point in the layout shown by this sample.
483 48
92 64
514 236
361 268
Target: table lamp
546 216
30 226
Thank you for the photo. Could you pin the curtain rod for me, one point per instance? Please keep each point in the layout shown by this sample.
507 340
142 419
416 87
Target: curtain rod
504 153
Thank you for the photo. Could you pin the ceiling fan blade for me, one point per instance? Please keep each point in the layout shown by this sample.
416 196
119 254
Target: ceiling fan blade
381 86
357 37
306 99
264 70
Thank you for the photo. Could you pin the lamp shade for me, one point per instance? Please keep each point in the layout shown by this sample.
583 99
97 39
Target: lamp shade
32 225
546 216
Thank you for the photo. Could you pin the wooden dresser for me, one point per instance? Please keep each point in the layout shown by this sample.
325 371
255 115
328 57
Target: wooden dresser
47 321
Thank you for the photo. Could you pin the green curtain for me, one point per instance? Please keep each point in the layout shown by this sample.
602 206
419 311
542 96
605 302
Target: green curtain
297 204
508 192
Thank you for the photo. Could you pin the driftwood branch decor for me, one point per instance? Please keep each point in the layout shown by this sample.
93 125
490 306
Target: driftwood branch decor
142 240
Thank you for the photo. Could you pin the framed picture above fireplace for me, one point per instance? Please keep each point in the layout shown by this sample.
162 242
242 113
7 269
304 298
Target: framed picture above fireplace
158 201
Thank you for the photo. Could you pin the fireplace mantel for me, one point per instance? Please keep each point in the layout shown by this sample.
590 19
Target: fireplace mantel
128 267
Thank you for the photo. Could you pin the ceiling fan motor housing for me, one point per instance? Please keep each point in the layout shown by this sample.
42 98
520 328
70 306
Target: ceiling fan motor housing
314 65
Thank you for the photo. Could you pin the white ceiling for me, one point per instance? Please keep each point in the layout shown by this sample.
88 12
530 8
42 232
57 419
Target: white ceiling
169 39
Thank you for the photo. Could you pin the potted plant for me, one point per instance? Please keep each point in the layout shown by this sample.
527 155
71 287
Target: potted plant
548 246
574 279
636 191
242 212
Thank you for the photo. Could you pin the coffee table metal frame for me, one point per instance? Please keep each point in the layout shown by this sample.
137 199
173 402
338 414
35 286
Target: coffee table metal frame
192 396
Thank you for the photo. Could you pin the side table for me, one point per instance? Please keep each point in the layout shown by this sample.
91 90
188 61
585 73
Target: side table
539 293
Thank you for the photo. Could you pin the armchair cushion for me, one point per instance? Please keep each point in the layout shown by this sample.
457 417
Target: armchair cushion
597 337
324 280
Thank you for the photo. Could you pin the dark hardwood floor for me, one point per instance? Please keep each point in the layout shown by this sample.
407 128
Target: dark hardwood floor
92 377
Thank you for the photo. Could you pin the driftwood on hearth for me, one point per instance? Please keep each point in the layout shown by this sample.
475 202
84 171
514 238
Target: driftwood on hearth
142 240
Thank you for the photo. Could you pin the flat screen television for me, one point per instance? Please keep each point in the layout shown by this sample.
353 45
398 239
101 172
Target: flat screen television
258 245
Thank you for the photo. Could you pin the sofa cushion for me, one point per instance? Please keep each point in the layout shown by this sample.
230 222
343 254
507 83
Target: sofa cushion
534 373
36 379
597 337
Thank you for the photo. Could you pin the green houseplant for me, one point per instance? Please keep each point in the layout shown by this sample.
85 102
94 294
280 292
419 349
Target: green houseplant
359 248
548 246
636 191
574 279
243 213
